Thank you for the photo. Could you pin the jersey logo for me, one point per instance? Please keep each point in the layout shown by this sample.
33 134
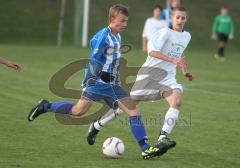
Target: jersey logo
110 50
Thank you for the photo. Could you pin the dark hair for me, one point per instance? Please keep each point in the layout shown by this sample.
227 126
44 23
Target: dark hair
157 7
116 9
224 7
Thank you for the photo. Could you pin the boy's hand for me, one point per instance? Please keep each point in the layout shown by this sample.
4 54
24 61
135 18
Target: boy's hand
13 65
231 36
189 76
214 36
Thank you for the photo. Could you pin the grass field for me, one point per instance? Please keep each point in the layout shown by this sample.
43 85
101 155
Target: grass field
207 134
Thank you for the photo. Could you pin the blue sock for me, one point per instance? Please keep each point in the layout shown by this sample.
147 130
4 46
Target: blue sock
63 107
139 131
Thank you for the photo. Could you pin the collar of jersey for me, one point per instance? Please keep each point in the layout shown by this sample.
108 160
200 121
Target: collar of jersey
111 31
171 27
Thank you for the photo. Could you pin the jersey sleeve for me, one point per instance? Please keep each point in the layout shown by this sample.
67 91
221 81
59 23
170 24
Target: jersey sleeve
98 46
215 24
231 27
163 15
145 29
158 40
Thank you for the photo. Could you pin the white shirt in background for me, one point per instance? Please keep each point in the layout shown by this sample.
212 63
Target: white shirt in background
151 26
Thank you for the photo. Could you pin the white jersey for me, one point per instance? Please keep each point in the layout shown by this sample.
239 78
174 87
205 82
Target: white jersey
151 26
157 76
170 43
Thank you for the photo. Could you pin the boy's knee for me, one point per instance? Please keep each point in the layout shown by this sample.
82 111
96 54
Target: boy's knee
134 112
176 103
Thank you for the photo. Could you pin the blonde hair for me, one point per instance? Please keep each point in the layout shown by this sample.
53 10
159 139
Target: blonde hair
181 8
116 9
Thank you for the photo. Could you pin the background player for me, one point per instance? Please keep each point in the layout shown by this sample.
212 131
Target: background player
165 53
166 14
152 25
102 81
10 64
222 29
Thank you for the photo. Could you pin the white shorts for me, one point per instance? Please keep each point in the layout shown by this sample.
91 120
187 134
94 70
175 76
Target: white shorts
148 90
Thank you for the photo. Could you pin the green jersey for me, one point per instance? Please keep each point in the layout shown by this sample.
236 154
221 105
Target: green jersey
223 24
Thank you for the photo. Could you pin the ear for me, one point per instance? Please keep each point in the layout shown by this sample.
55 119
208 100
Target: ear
112 18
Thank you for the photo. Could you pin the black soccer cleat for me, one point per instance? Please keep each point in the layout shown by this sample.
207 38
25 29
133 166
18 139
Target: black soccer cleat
92 134
164 145
37 110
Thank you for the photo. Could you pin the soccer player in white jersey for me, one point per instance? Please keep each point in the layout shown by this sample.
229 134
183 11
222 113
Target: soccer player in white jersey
152 25
165 54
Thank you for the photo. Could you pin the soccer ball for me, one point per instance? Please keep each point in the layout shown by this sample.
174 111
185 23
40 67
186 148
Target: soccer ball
113 147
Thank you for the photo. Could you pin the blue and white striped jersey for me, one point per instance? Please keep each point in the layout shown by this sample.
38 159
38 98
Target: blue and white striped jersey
105 55
166 15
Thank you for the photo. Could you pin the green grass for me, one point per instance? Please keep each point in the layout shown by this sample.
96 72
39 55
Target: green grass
207 136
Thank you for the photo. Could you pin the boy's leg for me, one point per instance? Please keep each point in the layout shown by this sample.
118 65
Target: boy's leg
137 128
221 49
81 107
222 40
105 119
174 100
96 126
61 107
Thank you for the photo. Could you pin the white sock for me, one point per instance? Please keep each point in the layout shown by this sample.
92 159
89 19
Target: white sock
161 137
97 125
170 120
110 115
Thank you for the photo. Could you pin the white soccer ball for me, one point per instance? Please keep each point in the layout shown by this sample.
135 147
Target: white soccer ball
113 147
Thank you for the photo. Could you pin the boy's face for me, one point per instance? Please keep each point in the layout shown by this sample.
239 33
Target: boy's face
175 3
224 11
179 19
119 22
156 13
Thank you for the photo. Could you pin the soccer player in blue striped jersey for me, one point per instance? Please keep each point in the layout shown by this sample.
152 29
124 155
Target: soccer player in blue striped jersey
167 13
102 82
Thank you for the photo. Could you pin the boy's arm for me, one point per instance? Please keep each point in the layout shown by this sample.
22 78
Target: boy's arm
2 60
215 24
144 36
214 28
181 62
232 27
10 64
187 73
231 35
144 44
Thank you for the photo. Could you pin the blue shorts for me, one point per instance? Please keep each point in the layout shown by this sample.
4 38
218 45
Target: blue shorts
110 93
